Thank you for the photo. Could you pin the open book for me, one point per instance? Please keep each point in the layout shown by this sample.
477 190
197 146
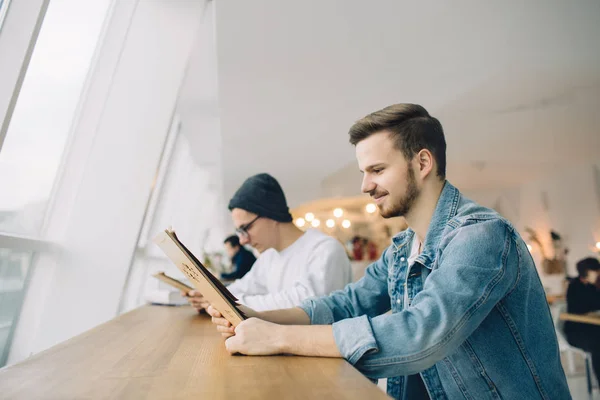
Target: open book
205 282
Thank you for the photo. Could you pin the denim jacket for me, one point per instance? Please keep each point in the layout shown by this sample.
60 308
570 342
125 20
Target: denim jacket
470 315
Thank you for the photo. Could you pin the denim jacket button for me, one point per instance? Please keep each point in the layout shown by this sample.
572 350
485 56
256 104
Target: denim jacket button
402 259
398 301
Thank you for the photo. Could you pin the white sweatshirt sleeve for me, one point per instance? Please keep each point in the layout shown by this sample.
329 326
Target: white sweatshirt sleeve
328 269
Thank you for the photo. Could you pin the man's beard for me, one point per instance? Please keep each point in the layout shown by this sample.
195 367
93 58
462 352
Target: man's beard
403 206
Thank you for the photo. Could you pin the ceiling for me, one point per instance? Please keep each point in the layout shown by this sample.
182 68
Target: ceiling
515 84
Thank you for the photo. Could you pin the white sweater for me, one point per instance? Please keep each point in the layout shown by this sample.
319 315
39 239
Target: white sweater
314 265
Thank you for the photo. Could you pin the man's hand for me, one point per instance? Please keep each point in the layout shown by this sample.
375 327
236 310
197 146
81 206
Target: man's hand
255 337
223 326
196 300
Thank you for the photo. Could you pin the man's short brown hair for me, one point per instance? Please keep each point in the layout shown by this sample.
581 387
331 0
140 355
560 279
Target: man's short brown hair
411 128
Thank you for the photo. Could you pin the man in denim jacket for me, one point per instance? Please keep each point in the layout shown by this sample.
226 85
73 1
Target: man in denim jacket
469 315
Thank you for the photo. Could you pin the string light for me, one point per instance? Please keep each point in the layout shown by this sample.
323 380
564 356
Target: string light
309 217
371 208
300 222
330 223
315 223
338 212
346 224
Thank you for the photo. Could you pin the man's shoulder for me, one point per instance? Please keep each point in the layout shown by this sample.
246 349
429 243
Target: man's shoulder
318 239
470 213
474 225
316 236
575 285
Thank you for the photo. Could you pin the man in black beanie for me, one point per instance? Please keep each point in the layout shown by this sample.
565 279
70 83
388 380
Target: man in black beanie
262 195
293 265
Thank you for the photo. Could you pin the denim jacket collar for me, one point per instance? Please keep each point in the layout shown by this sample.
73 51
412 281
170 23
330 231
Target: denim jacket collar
445 210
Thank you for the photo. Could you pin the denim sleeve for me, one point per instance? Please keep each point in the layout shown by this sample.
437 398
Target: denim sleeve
476 269
368 296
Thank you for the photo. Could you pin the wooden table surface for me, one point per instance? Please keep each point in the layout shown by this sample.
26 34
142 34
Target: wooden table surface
591 318
159 352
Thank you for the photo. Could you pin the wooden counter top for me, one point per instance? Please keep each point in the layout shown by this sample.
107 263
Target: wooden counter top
159 352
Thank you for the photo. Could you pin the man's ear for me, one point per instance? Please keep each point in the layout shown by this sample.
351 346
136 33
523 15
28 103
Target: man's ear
426 163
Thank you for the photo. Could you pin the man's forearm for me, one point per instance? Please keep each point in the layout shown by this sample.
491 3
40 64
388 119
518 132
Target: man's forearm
287 316
314 340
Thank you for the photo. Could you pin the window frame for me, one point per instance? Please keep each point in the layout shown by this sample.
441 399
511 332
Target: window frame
21 24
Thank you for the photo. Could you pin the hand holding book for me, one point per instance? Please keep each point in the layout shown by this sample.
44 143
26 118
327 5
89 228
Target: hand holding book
203 280
197 301
224 327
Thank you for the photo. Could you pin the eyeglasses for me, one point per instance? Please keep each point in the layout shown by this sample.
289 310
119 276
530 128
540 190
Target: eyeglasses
242 231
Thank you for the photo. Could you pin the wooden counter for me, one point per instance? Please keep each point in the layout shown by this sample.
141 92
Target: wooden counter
591 318
159 352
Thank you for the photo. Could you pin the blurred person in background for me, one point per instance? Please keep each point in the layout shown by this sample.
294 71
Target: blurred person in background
358 250
583 296
241 259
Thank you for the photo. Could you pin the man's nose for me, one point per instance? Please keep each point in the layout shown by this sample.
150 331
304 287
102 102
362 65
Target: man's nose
367 185
244 240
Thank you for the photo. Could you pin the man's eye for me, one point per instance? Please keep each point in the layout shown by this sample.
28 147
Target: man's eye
378 170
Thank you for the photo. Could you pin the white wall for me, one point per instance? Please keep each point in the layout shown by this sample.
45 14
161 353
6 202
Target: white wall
514 84
108 173
566 201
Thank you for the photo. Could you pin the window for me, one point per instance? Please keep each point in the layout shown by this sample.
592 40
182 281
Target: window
3 9
14 266
32 150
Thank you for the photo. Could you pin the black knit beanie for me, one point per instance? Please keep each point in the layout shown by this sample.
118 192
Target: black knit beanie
262 195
